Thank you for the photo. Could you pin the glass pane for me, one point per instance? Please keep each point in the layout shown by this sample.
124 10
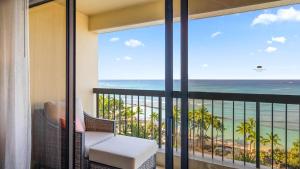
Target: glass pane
236 49
47 36
120 46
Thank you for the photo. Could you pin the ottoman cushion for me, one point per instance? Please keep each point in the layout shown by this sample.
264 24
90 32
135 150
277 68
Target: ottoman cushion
123 152
92 138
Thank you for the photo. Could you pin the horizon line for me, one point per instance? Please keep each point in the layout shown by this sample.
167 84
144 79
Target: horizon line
199 79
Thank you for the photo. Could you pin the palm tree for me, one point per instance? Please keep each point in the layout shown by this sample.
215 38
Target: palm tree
202 121
241 128
218 126
197 124
176 121
153 128
126 114
248 129
176 114
191 121
268 140
251 139
136 120
207 119
109 107
276 140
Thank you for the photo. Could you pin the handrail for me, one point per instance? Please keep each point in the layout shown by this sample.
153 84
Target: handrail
265 98
154 93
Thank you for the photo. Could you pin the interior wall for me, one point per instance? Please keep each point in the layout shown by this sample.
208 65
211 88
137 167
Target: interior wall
86 63
47 47
47 35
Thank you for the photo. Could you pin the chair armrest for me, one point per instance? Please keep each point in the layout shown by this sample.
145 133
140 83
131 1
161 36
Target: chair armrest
101 125
79 149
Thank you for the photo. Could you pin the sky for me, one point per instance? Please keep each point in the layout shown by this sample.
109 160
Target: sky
224 47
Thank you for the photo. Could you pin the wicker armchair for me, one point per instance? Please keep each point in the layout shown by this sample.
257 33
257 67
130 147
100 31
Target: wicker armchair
96 124
49 141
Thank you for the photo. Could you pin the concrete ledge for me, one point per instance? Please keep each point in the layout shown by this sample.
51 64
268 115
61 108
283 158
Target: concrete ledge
153 13
197 161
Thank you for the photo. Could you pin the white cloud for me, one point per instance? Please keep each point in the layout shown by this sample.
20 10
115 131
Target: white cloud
270 49
204 65
215 34
127 58
279 39
282 15
134 43
114 39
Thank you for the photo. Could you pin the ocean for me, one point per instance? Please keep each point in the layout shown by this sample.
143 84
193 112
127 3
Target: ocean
282 87
289 87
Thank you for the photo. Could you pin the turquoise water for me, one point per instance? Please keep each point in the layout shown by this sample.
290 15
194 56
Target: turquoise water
287 87
290 87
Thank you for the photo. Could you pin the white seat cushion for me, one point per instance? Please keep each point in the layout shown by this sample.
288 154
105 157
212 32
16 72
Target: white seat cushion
92 138
123 152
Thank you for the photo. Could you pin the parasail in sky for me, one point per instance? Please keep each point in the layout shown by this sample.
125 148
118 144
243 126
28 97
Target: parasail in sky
259 68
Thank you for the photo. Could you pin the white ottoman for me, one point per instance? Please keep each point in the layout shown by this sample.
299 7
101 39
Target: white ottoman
123 152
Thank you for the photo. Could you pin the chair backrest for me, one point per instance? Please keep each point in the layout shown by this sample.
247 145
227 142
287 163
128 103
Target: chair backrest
55 111
79 112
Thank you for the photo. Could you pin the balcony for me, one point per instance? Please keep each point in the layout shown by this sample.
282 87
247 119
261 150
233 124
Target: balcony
249 130
230 130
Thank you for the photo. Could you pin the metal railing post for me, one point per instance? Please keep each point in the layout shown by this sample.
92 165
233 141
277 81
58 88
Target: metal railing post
257 135
97 105
159 122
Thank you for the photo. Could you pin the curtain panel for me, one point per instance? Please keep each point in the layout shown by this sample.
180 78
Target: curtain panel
15 114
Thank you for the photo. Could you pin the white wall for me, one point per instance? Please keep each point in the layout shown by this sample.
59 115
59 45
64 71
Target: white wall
47 27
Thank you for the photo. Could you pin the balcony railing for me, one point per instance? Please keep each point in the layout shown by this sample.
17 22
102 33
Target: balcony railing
246 129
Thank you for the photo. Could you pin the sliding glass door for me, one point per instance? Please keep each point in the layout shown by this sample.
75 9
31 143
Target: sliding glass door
51 83
241 109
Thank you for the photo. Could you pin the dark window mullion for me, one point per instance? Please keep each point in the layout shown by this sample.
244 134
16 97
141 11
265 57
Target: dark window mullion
169 83
70 81
184 83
